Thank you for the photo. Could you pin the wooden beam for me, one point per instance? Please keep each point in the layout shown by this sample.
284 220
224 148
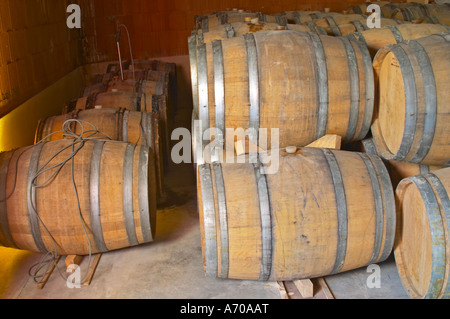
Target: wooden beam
73 260
324 288
246 147
42 284
305 287
282 289
319 287
327 141
92 268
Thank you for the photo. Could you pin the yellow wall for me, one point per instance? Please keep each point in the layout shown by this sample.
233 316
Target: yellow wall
17 129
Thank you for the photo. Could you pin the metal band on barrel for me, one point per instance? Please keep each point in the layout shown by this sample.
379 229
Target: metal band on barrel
429 85
359 26
125 120
202 97
388 202
409 83
223 222
31 198
333 25
128 194
396 32
370 91
341 207
219 90
94 193
253 77
322 85
192 44
378 201
143 191
266 222
437 236
354 89
209 220
445 202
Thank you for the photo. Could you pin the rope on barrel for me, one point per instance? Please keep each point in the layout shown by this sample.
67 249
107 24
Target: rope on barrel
78 141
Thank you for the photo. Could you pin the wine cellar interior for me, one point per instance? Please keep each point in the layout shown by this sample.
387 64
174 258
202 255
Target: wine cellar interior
124 173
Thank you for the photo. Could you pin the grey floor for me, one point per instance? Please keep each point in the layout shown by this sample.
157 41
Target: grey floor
171 267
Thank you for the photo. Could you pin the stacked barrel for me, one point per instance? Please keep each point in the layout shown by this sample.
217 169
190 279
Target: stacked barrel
92 181
323 211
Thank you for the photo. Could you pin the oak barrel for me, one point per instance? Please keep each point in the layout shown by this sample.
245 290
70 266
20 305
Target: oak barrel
400 170
322 213
376 39
440 13
204 22
116 195
331 23
302 83
422 245
385 6
139 128
413 113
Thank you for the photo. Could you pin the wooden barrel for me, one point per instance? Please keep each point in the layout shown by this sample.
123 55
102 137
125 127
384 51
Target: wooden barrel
140 74
304 84
115 183
412 12
304 17
118 124
376 39
278 18
358 26
239 29
422 246
133 101
323 212
413 115
152 65
204 22
440 13
331 23
385 6
399 170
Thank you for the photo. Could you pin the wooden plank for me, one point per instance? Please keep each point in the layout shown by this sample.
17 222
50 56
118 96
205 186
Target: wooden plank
73 260
42 284
305 287
92 269
327 141
282 289
319 286
324 288
246 147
